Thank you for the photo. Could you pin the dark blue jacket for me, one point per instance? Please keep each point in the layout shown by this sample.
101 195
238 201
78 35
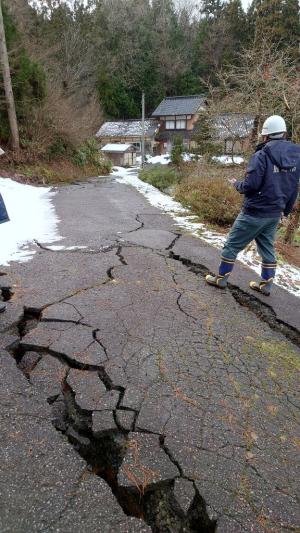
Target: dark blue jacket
272 181
3 213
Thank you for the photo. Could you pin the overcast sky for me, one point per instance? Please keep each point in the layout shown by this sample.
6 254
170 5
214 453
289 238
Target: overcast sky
244 2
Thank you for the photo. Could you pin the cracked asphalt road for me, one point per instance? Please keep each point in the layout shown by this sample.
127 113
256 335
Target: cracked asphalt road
140 398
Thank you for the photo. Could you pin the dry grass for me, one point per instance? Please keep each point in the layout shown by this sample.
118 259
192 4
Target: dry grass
53 172
289 252
71 118
206 191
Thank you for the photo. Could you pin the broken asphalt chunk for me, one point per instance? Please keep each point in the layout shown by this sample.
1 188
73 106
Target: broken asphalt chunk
71 341
48 375
90 393
61 312
103 421
145 463
125 419
184 492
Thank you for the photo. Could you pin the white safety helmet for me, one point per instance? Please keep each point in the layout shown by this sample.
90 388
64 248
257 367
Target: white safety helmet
274 124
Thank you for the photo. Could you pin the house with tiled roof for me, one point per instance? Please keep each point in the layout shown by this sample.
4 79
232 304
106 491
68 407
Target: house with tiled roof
129 131
177 116
234 131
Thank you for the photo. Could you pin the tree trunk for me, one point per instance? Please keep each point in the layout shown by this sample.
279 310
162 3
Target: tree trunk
10 102
293 225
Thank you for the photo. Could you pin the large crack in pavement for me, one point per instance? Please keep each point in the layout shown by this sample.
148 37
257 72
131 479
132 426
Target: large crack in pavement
138 464
103 438
263 311
110 443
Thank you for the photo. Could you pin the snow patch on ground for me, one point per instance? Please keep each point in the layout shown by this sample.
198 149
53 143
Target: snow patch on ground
32 217
190 157
229 160
158 159
166 158
287 276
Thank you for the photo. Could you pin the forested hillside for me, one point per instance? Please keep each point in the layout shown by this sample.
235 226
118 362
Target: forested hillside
72 67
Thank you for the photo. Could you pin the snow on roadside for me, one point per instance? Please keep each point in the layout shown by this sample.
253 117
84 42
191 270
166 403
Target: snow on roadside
287 276
32 217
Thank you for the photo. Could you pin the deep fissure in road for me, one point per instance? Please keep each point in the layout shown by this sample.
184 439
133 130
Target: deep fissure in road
263 311
104 451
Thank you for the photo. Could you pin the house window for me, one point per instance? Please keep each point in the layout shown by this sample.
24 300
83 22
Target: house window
180 124
228 146
137 145
170 124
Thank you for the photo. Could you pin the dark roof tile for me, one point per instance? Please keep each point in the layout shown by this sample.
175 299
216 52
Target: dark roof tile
127 128
179 105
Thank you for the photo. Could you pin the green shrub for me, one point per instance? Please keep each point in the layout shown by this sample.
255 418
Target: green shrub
58 148
160 176
213 200
88 154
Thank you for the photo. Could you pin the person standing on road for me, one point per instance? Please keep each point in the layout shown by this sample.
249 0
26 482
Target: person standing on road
3 218
270 188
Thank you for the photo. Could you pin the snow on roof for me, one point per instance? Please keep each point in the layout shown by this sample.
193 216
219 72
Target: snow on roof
116 147
180 105
127 128
233 125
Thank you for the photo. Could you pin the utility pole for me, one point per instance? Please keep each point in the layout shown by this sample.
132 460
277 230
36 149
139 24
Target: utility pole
9 96
143 130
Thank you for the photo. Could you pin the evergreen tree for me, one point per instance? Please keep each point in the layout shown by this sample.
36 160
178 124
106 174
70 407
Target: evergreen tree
269 20
278 22
212 8
291 18
205 137
28 78
238 28
177 151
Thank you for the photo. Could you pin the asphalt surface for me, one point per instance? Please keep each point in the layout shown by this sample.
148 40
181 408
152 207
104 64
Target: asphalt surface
134 397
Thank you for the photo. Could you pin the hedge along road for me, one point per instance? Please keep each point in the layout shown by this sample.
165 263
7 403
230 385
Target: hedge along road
134 397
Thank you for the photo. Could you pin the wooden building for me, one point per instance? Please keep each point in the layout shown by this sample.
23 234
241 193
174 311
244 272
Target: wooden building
234 131
177 116
122 155
129 131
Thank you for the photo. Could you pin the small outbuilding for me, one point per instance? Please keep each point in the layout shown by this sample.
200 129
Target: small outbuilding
123 155
129 132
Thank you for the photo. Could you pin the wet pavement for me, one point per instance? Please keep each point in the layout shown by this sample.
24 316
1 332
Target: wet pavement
134 397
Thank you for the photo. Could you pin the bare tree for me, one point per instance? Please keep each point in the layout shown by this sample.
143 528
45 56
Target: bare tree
10 102
265 83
